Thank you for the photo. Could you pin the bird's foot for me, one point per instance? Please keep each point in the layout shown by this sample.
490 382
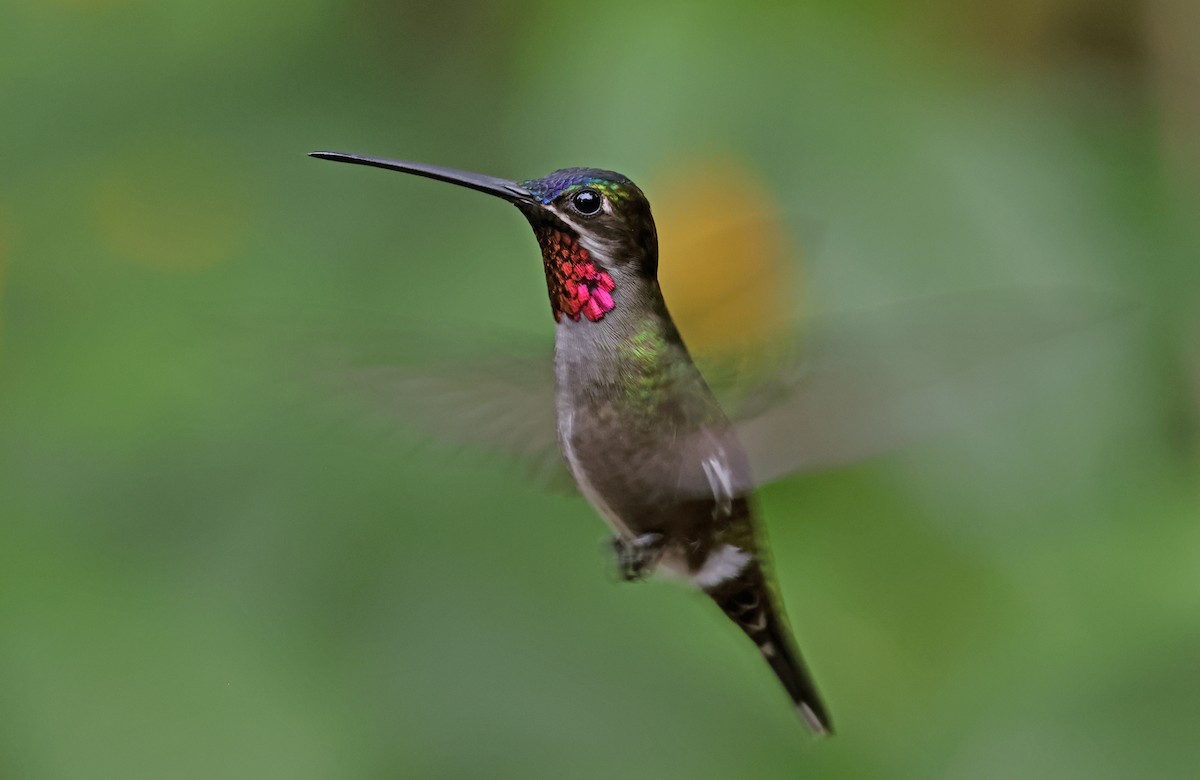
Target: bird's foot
637 558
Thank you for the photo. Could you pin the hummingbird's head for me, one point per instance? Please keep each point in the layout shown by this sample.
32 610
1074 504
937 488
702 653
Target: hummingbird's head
594 229
596 235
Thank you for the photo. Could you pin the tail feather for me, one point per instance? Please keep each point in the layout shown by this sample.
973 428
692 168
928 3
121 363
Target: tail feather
748 602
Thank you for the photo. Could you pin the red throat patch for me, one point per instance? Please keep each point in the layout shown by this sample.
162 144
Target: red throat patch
575 286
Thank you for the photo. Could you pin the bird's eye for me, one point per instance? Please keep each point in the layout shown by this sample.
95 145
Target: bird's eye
586 202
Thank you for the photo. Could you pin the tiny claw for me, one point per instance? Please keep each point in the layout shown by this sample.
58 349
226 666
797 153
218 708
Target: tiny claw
637 558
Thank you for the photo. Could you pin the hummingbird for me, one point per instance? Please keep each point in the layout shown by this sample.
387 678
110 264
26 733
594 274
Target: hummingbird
641 432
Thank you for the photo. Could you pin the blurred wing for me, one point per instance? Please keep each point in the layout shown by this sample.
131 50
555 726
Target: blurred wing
871 382
489 391
503 407
836 389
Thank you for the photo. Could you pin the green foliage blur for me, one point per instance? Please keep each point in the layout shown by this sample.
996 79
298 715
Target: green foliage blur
208 571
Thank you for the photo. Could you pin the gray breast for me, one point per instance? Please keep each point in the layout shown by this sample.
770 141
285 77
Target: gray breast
678 464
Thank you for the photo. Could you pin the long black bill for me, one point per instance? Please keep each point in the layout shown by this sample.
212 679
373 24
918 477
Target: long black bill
501 188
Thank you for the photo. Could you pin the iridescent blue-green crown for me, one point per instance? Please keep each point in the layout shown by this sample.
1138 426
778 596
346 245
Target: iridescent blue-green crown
549 188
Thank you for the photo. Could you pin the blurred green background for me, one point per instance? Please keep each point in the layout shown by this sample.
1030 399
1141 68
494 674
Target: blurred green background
208 572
